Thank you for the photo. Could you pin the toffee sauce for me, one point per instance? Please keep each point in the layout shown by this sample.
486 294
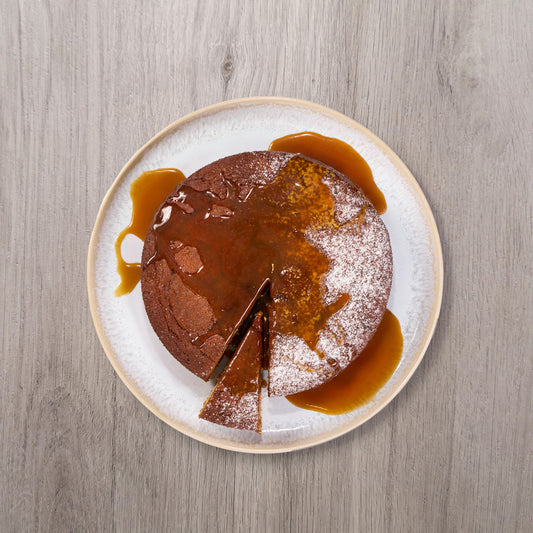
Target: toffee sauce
338 155
359 382
204 228
147 193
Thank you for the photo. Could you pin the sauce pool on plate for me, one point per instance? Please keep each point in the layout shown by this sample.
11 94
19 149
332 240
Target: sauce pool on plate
337 154
359 382
147 193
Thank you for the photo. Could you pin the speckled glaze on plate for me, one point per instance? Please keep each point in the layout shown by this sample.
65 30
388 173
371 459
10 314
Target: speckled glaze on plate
144 365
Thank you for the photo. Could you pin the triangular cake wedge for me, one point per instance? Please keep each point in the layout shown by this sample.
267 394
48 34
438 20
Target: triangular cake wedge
235 401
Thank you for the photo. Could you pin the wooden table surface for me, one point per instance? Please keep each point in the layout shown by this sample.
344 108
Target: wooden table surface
447 85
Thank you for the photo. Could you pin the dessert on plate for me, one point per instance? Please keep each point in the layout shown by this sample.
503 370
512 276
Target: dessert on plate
276 229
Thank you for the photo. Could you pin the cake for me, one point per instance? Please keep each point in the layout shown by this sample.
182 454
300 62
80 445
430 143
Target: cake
274 226
235 401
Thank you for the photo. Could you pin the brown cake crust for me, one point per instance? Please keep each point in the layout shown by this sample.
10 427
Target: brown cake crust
177 314
343 237
235 401
183 320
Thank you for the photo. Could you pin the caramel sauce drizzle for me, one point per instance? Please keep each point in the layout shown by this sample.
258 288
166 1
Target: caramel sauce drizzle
337 154
147 193
274 248
359 382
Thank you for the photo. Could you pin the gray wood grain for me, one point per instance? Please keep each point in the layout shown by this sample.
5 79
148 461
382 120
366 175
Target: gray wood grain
447 85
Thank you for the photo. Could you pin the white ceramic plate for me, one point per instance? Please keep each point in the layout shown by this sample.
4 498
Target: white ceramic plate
153 375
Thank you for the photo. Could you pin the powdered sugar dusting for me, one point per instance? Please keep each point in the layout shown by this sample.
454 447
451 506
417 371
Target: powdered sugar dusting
243 412
267 168
227 408
260 170
348 204
360 266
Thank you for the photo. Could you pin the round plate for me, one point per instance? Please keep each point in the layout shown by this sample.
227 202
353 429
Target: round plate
144 365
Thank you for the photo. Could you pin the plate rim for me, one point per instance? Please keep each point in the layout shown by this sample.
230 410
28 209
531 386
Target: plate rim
110 352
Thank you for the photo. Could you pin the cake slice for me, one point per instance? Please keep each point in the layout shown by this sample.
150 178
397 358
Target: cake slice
235 401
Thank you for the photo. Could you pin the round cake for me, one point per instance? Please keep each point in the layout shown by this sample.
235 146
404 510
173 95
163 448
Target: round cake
268 227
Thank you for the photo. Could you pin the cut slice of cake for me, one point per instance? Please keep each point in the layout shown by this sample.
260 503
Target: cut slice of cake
235 401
